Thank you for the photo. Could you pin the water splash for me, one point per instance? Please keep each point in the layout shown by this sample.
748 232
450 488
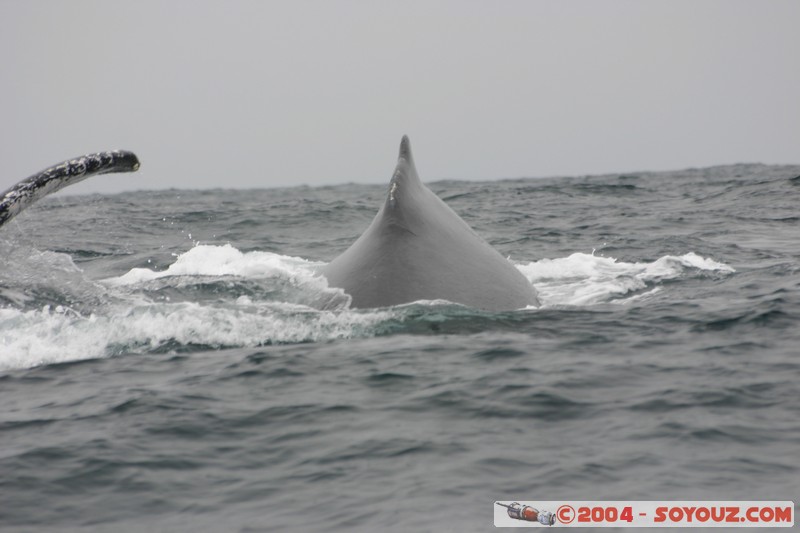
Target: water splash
215 297
584 279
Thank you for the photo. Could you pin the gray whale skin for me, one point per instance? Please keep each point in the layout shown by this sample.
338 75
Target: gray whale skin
417 248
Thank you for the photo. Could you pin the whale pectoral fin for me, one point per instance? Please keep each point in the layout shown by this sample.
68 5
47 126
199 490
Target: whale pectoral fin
30 190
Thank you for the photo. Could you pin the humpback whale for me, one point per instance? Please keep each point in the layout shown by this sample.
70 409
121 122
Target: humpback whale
55 178
417 248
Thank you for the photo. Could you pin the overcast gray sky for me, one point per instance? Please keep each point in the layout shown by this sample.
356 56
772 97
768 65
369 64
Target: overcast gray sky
262 94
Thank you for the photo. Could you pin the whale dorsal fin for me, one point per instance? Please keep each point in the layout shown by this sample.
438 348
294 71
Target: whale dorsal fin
417 248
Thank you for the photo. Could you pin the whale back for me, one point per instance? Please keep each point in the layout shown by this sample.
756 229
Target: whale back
418 248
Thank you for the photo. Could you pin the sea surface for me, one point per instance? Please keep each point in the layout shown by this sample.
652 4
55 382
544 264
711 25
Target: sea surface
170 361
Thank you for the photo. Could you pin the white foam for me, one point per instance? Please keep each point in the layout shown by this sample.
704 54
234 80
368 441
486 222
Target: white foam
125 319
585 279
31 338
129 321
208 260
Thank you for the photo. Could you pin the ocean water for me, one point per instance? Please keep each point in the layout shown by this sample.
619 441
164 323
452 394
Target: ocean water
169 361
